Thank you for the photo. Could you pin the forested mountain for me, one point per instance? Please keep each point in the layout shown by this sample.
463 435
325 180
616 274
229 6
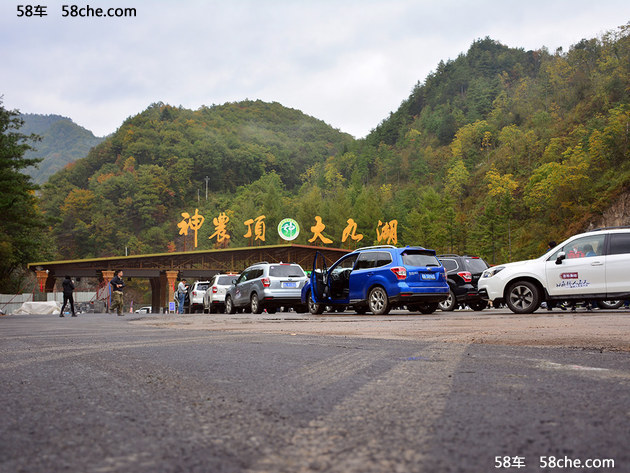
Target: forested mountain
130 191
495 153
63 142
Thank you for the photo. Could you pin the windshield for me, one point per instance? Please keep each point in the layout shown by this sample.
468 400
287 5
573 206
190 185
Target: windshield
286 271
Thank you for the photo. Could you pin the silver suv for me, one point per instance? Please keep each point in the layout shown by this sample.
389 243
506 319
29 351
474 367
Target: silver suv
267 286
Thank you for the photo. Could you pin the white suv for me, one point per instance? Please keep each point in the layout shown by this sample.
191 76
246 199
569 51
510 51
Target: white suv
196 295
589 266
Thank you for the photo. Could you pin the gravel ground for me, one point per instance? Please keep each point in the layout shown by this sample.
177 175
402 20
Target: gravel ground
603 330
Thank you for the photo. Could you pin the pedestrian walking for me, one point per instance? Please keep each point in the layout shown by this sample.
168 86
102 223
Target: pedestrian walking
117 285
68 287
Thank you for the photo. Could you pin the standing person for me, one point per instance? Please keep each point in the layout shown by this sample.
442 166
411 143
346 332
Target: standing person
68 287
182 289
117 292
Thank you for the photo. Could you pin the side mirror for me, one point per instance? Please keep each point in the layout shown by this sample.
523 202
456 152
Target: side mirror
561 257
234 282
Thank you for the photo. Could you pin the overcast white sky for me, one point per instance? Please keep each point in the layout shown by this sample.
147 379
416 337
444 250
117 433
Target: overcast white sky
347 62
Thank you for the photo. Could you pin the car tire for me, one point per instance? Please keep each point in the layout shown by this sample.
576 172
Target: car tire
378 301
255 305
609 304
479 305
448 304
229 306
428 308
313 307
523 297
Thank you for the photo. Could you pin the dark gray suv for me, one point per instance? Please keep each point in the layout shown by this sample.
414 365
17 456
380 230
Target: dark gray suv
267 286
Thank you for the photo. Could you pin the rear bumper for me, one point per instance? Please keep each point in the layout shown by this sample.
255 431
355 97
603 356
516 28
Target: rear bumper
415 298
270 301
467 293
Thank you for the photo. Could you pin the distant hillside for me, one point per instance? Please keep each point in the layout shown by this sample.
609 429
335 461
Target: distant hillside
63 142
130 190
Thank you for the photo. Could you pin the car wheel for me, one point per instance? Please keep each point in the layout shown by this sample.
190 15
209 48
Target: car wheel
523 297
378 301
229 306
428 308
609 304
449 303
313 307
479 305
255 305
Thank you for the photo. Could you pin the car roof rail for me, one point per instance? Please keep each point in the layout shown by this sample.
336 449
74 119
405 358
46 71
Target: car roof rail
447 255
621 227
374 247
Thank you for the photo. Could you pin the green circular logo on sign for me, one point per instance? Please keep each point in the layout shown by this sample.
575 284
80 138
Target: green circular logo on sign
288 229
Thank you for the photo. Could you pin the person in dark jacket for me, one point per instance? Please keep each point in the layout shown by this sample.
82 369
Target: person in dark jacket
117 292
68 287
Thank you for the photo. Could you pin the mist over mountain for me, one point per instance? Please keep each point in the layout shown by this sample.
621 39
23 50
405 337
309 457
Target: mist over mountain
63 142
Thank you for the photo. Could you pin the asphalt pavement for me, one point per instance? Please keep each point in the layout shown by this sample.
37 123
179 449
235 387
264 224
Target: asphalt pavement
100 393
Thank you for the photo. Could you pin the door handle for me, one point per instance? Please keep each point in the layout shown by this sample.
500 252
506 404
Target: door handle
597 263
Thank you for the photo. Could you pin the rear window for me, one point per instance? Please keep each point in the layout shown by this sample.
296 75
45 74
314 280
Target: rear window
202 287
286 271
416 258
225 280
619 243
373 259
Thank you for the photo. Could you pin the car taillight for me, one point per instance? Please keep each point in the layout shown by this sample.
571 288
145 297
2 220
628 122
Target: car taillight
465 275
400 272
215 289
266 282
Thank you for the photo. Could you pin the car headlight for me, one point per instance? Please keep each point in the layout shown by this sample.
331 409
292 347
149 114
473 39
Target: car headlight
488 273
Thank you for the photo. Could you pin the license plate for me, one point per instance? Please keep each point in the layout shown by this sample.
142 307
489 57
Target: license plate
428 276
287 285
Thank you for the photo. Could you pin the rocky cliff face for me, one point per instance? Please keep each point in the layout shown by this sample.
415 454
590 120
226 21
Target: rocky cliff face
617 215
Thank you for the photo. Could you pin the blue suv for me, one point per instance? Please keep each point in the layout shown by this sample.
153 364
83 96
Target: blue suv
376 279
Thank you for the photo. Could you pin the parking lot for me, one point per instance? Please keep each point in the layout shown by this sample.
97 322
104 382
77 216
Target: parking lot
597 329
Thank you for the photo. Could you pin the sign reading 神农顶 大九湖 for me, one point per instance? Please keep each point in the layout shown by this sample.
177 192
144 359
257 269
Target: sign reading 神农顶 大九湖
288 229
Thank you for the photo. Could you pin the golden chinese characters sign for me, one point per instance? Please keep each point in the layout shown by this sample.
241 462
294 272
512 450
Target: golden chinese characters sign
288 229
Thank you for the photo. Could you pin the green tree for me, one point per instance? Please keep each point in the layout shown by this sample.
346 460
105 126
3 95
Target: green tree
22 226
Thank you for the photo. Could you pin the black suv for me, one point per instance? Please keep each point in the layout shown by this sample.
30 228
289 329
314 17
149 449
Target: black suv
463 275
